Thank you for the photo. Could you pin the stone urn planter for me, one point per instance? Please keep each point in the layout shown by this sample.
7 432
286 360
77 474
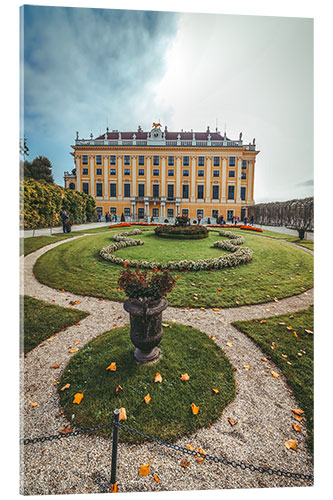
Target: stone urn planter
146 327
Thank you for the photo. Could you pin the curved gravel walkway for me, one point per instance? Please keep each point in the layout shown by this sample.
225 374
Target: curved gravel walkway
262 408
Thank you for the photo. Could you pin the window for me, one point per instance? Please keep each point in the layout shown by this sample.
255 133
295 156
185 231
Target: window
99 211
243 193
113 190
156 212
171 172
171 161
141 160
216 173
156 160
127 212
185 211
127 190
232 173
200 212
156 190
127 171
98 171
243 176
112 160
141 190
231 192
185 190
71 185
141 171
156 172
113 210
216 161
201 173
113 171
186 173
201 161
171 190
232 161
170 212
215 214
141 213
99 189
216 192
244 164
85 171
186 161
127 160
85 187
84 159
230 214
99 160
200 192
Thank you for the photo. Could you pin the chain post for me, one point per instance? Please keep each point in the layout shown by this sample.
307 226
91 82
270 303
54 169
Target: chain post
114 446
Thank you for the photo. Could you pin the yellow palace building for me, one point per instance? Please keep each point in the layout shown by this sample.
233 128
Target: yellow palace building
160 174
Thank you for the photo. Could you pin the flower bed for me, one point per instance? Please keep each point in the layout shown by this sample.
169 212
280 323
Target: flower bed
186 232
237 257
251 228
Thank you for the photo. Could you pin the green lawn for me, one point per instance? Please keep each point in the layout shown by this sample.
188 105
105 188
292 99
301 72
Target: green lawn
287 237
277 269
29 245
42 320
169 414
298 369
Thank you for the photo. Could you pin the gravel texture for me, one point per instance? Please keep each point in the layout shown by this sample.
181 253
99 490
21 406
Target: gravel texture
82 464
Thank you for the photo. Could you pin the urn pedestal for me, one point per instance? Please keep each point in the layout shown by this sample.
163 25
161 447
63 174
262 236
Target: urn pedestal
146 327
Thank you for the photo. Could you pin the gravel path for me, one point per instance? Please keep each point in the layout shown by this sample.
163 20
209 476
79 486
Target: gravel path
262 408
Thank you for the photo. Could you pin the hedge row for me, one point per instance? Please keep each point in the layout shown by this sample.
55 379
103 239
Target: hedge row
42 203
183 232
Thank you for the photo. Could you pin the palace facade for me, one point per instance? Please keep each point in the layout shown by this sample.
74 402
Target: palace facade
161 174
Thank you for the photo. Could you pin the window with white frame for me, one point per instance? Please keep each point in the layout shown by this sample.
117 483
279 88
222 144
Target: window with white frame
127 160
98 160
84 159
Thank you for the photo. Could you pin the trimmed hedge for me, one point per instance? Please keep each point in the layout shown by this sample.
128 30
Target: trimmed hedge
41 204
183 232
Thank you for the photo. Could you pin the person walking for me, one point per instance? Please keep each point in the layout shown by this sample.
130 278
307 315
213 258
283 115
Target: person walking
199 218
64 218
245 220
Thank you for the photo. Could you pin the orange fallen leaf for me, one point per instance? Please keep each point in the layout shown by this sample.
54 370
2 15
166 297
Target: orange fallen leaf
216 309
308 331
200 459
67 386
284 355
212 337
275 299
263 359
147 398
298 418
65 430
55 365
114 488
122 414
76 342
51 339
195 409
112 367
219 289
184 463
144 470
275 375
118 388
157 479
73 350
115 324
263 321
215 390
55 383
33 405
78 398
247 367
184 377
158 377
232 422
291 444
229 344
295 334
297 411
296 427
77 302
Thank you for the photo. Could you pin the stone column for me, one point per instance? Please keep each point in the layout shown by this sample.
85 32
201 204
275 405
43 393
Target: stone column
163 210
224 179
193 178
178 177
148 176
133 193
120 178
133 204
92 176
208 179
78 172
249 194
163 177
106 167
239 180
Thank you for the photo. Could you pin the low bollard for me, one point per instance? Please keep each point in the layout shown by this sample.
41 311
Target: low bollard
114 450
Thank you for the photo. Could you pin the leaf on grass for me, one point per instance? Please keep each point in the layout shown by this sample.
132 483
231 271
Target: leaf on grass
184 377
298 418
55 365
232 422
112 367
67 386
276 299
275 375
284 355
289 327
122 414
77 398
144 470
72 351
215 390
165 324
282 323
195 409
199 458
295 334
308 331
185 463
157 479
296 427
291 444
263 321
114 488
118 388
33 405
158 377
147 398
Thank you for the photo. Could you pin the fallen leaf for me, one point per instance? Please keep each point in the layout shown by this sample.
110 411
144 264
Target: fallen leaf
276 299
55 383
275 375
195 409
184 377
215 390
33 405
65 430
296 427
229 344
247 367
144 470
199 458
114 488
78 398
157 479
67 386
158 377
263 321
232 422
219 289
184 463
289 327
297 411
295 334
282 323
216 309
112 367
76 342
77 302
165 324
308 331
122 414
73 350
291 444
284 355
51 339
55 365
147 399
190 447
118 388
212 337
298 418
263 359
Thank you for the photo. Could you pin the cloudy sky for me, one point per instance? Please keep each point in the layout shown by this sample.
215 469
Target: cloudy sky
85 69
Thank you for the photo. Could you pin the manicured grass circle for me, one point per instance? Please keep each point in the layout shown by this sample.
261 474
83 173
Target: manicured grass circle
168 415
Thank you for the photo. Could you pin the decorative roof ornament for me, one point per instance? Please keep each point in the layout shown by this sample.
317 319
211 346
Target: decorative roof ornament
91 136
156 125
77 135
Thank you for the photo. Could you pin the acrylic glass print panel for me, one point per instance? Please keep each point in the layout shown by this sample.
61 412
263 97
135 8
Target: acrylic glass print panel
167 233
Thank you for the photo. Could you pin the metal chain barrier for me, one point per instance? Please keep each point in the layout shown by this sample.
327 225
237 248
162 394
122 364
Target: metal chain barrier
67 434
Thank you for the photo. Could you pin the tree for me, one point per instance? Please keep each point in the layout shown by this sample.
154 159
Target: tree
40 169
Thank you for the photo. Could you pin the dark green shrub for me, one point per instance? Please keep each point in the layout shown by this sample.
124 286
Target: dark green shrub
186 232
